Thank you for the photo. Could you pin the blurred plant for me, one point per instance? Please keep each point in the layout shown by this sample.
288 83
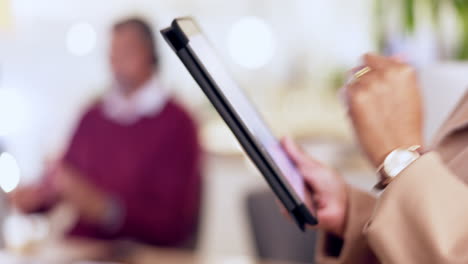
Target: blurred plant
409 10
380 25
409 15
461 7
337 79
435 9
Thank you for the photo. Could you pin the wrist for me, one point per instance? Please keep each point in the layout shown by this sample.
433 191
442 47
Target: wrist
113 215
94 209
339 229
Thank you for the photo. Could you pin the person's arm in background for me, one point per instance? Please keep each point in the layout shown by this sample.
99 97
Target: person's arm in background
166 209
62 181
34 198
74 187
42 196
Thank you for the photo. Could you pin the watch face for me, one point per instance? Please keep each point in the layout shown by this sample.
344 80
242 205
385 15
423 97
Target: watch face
398 160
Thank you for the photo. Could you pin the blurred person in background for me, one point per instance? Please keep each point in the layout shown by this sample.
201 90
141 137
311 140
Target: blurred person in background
132 169
420 215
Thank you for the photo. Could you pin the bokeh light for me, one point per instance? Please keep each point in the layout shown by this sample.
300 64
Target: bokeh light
251 43
9 172
81 39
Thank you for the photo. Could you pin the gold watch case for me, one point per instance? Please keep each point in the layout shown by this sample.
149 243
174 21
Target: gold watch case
395 163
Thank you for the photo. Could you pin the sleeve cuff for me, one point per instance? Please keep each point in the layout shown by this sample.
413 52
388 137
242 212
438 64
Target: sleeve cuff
417 218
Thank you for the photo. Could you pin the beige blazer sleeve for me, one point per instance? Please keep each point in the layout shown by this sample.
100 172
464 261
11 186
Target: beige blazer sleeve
420 218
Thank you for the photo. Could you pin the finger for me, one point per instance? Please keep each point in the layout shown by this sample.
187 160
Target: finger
294 152
351 75
12 197
364 82
355 70
376 62
399 58
360 77
310 176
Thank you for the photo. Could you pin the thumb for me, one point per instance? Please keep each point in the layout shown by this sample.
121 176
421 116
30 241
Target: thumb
295 153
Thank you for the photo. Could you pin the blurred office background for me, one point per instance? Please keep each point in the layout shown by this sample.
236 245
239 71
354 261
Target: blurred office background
290 56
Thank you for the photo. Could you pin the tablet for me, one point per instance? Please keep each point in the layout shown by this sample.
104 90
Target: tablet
265 151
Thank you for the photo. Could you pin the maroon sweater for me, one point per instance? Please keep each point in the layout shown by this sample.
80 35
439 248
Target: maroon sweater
151 167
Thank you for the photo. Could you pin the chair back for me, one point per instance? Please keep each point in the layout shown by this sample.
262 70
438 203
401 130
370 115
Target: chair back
276 237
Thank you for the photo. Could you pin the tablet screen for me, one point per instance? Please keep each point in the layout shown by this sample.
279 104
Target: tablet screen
243 107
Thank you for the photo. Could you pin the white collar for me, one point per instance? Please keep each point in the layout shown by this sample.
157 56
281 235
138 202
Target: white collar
148 101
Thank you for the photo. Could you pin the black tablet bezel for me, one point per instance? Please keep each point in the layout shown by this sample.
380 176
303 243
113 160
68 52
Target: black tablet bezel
179 39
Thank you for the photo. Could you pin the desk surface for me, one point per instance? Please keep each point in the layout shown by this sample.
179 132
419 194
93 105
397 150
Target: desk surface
85 252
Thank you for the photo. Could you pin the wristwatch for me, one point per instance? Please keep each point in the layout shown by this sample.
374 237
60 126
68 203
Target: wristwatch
395 163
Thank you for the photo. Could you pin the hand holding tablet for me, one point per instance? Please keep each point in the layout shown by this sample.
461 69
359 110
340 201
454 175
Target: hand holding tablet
266 152
330 191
